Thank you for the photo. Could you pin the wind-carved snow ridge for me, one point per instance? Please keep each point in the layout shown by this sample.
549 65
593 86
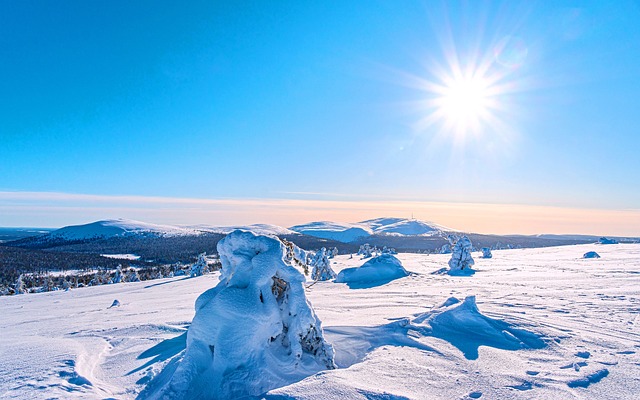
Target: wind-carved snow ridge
253 332
462 325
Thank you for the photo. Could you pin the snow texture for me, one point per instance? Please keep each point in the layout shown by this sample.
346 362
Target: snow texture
461 260
375 272
253 332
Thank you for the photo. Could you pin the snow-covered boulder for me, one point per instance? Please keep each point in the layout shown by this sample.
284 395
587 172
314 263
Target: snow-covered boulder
461 260
253 332
591 254
377 271
486 252
322 267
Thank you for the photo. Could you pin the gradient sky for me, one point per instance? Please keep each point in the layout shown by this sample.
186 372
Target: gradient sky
317 102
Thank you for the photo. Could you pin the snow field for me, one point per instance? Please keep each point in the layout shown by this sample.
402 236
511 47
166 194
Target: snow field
585 311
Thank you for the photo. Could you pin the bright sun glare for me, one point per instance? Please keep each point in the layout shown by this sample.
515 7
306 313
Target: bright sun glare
464 103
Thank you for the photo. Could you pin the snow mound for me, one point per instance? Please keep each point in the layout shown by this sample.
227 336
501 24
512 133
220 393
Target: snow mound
342 232
462 325
118 227
375 272
591 254
403 227
253 332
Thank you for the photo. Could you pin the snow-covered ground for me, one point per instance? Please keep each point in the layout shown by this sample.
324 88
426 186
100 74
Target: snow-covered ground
549 324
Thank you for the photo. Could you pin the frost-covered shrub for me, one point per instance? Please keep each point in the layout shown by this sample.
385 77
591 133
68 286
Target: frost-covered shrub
132 275
200 267
445 249
117 278
388 250
486 252
253 332
331 253
322 267
461 260
365 250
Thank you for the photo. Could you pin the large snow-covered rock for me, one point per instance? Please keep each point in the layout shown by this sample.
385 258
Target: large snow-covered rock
254 331
461 260
377 271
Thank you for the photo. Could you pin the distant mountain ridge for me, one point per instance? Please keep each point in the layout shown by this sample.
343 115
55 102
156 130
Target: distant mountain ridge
350 232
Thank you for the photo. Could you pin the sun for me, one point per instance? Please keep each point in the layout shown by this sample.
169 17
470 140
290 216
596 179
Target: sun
464 102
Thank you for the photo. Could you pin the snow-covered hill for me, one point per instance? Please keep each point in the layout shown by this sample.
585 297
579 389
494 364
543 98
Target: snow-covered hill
342 232
349 232
544 324
118 227
259 229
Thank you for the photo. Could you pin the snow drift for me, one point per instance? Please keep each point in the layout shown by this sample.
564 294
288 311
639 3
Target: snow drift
377 271
591 254
462 325
253 332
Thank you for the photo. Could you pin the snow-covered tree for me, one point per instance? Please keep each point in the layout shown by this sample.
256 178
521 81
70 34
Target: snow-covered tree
388 250
132 275
331 253
66 285
253 332
461 256
322 267
47 284
486 252
200 267
365 250
117 278
19 285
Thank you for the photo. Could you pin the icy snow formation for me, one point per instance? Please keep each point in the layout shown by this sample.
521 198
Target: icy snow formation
375 272
486 252
322 267
461 260
591 254
254 331
462 325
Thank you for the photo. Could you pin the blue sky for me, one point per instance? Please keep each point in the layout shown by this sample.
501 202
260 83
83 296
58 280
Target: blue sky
314 101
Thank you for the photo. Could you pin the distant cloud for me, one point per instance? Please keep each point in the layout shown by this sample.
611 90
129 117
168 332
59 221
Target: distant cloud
53 209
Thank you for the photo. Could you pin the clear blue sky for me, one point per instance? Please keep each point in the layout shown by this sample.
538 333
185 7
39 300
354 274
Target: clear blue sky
277 100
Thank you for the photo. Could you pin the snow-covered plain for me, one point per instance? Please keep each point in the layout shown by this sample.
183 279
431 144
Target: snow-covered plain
549 324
